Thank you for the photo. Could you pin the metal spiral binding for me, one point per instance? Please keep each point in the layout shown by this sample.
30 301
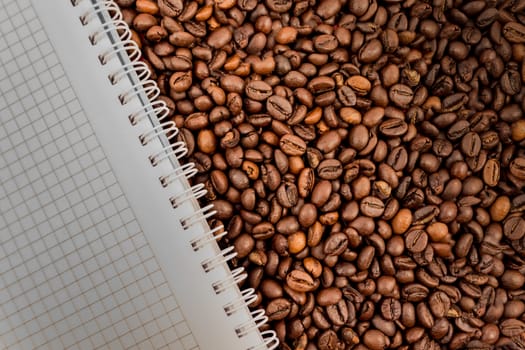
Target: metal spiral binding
168 128
196 191
177 150
238 275
270 341
158 107
208 237
105 6
258 319
248 297
202 214
120 26
128 47
148 87
142 70
187 170
226 255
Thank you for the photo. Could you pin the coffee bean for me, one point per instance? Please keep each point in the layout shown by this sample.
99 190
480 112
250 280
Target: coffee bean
372 206
500 208
517 168
416 240
402 221
263 230
414 292
287 195
278 309
329 141
329 169
391 309
328 340
321 192
279 107
329 296
300 281
286 35
514 32
491 172
292 145
393 127
439 304
335 244
514 228
180 81
366 159
401 95
371 51
375 340
307 215
359 84
258 90
512 279
471 144
170 8
325 43
512 327
338 313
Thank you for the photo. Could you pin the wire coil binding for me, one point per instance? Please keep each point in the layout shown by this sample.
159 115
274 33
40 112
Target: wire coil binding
140 68
168 128
187 170
196 191
159 107
210 236
115 27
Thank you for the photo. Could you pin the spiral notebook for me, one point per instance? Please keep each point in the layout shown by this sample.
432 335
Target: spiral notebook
102 242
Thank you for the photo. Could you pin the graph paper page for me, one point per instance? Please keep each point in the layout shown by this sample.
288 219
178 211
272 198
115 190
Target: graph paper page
90 253
76 271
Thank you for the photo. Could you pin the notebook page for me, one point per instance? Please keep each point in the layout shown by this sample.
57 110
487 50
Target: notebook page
76 271
86 261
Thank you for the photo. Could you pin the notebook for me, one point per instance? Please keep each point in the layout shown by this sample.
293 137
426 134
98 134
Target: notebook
102 242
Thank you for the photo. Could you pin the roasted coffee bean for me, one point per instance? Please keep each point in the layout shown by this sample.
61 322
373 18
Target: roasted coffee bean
292 145
517 168
375 340
372 206
514 32
439 304
491 172
329 141
416 240
170 8
391 309
415 292
514 228
258 90
300 281
401 95
278 309
335 244
366 158
471 144
329 296
393 127
329 169
279 107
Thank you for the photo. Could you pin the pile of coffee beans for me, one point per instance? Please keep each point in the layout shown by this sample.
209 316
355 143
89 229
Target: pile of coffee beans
366 158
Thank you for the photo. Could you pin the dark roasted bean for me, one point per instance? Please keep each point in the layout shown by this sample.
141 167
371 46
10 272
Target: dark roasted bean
366 158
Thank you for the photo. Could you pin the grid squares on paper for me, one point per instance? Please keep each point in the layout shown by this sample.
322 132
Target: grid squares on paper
76 271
